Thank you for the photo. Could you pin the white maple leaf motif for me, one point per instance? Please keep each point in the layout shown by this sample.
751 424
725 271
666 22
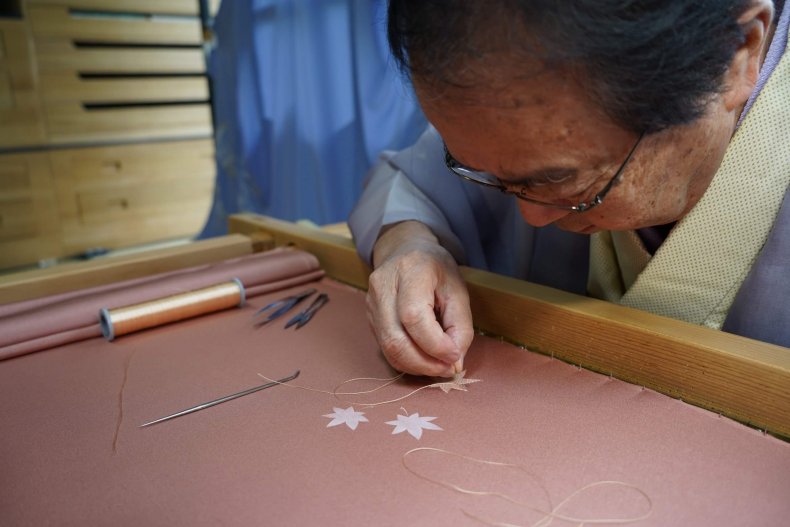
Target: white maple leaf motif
348 417
458 382
413 424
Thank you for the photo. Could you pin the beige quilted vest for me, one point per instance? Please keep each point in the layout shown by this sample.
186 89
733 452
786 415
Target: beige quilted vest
697 271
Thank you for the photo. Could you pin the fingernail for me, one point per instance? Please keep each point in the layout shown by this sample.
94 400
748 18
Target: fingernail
458 367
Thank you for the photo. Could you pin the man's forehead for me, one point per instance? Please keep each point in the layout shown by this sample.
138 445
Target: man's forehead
504 91
522 130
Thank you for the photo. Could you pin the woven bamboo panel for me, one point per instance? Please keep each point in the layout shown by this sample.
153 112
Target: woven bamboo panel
58 88
113 27
61 56
119 72
165 7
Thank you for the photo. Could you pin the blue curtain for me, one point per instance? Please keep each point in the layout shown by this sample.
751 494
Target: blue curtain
305 97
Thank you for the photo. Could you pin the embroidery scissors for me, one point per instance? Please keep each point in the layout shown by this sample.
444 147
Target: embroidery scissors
222 400
280 307
304 317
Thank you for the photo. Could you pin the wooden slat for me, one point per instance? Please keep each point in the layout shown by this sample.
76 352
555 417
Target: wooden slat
17 54
21 121
70 122
73 276
172 7
6 93
20 127
56 21
124 195
28 210
67 87
17 211
59 55
144 164
64 92
738 377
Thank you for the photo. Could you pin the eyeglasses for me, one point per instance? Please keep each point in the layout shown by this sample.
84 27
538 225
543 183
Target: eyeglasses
490 180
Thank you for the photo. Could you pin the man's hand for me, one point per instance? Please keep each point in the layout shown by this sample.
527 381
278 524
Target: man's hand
418 306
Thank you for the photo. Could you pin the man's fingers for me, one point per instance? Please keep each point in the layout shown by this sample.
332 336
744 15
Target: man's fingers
401 351
456 319
418 306
415 305
398 347
405 356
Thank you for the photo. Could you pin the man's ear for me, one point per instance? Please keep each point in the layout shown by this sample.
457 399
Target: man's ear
741 76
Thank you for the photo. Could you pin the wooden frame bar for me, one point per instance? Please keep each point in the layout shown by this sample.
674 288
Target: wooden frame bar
738 377
72 276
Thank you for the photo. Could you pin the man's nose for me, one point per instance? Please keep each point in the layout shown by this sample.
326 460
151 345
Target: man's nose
539 215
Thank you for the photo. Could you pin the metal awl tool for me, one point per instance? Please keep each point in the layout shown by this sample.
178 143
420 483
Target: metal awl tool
304 317
281 307
222 400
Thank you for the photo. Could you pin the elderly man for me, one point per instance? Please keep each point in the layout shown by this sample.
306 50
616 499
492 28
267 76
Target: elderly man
638 152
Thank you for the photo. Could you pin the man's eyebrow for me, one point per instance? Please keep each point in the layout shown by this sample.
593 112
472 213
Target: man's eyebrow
541 175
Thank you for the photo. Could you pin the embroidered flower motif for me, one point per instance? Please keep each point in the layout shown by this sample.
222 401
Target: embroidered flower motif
458 383
348 417
413 424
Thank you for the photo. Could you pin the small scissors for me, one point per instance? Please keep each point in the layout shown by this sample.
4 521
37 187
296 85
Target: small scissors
304 317
281 307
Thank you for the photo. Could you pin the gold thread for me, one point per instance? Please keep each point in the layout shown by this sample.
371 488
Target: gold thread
335 391
388 381
128 319
548 516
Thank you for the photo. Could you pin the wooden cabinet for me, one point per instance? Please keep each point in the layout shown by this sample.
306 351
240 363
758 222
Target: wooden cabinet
105 126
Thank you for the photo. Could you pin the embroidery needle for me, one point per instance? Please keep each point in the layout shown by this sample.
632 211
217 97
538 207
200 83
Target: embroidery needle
222 400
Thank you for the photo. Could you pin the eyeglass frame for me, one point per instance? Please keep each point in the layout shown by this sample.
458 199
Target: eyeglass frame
454 166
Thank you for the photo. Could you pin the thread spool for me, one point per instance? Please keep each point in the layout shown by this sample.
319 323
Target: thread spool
128 319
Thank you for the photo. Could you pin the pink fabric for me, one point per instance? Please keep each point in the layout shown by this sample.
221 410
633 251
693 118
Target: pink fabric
35 325
71 452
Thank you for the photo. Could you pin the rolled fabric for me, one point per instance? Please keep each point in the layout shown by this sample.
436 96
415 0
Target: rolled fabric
39 324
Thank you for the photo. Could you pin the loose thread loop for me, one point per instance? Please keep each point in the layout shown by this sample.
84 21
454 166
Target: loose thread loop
548 515
335 393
